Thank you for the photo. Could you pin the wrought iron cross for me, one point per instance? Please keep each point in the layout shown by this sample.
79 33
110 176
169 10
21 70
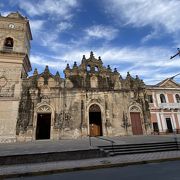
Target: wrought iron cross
176 54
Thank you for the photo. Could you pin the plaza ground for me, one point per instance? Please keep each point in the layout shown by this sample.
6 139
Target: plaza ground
16 170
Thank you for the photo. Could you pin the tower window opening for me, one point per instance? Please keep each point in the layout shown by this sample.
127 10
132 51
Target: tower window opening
88 68
8 43
96 69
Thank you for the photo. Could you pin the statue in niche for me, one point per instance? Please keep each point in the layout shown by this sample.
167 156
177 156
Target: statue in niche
94 82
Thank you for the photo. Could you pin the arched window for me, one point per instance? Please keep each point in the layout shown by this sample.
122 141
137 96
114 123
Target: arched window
88 68
96 69
162 98
177 98
8 43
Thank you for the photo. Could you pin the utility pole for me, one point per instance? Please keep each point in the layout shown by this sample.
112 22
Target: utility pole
178 53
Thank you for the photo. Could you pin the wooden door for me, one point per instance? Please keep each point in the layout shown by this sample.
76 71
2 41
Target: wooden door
136 123
95 130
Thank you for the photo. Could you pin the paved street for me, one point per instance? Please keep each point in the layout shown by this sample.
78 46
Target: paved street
156 171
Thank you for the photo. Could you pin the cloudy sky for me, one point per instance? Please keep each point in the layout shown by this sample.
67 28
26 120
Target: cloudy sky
138 36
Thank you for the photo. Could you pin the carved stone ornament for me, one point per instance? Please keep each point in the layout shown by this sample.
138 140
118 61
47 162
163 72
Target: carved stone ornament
134 109
3 81
94 108
44 108
63 120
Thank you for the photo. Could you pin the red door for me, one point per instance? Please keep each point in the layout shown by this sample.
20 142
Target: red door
136 123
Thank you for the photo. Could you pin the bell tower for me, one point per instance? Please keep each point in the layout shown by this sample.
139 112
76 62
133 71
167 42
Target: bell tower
15 37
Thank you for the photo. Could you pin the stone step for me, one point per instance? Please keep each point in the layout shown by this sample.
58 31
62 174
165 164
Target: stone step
138 145
141 151
139 148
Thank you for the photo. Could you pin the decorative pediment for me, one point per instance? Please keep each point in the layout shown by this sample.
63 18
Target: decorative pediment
168 83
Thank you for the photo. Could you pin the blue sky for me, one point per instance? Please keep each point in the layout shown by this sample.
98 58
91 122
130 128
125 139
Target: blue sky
138 36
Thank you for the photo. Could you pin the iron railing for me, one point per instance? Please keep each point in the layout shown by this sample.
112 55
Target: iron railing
105 139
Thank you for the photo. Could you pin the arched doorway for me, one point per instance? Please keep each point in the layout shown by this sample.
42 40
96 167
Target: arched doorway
95 120
43 124
136 121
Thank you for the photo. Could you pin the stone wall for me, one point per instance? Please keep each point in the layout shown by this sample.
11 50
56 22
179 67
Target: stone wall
10 88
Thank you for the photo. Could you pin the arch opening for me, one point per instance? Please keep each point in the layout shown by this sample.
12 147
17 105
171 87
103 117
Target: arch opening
96 68
8 43
88 68
95 120
43 126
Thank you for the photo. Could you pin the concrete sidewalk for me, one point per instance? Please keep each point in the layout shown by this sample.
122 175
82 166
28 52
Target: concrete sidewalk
87 164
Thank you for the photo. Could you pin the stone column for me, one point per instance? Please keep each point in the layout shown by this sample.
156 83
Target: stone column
83 122
107 116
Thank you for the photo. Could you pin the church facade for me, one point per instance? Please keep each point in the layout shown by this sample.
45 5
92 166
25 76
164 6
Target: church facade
91 99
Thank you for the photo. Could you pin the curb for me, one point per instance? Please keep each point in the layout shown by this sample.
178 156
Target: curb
106 164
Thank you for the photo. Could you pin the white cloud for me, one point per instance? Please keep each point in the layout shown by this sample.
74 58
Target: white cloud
140 13
36 25
154 34
62 8
100 31
50 61
52 42
62 26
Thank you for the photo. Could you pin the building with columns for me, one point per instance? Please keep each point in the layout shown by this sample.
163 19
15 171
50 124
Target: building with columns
90 100
164 102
